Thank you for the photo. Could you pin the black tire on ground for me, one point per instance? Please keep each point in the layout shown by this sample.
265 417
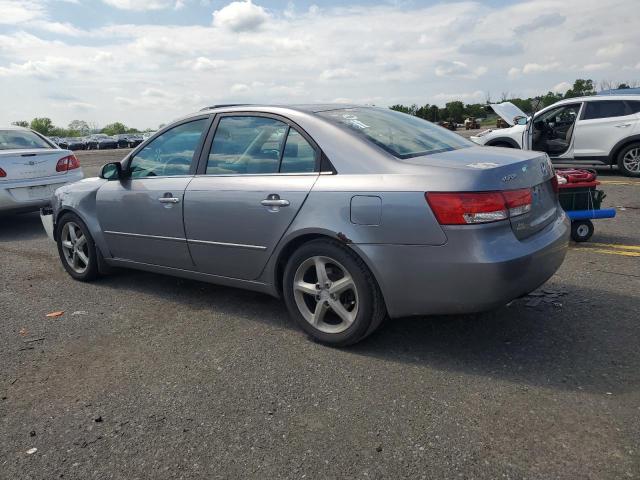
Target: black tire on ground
371 307
631 149
581 230
91 271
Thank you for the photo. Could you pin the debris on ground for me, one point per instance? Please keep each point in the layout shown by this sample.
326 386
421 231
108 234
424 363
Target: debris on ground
31 451
80 312
55 314
23 332
545 296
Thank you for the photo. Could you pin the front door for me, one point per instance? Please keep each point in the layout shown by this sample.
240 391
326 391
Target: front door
552 131
142 215
258 174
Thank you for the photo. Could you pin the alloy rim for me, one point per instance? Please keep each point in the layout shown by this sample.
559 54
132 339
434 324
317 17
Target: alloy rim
631 160
326 294
74 247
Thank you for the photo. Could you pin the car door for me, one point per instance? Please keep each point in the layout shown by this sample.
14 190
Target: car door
602 125
251 183
142 214
552 130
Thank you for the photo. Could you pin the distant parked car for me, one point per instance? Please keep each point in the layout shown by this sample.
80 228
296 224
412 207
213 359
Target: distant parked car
75 143
147 135
31 168
598 129
128 140
100 141
348 213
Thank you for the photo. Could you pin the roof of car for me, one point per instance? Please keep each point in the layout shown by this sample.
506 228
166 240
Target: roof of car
599 98
305 107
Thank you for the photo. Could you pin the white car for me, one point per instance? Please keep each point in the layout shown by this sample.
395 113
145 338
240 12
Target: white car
598 129
31 168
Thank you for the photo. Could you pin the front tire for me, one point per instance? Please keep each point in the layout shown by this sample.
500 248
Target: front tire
629 160
331 294
76 248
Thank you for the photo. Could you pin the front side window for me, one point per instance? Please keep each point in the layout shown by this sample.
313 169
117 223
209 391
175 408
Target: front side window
17 139
634 106
169 154
561 115
249 145
402 135
605 109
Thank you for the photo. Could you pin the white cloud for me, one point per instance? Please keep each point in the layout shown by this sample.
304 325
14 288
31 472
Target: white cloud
594 67
540 67
561 87
610 51
20 11
458 69
144 73
143 5
240 16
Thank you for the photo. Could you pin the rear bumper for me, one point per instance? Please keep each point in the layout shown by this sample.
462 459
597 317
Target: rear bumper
478 269
15 197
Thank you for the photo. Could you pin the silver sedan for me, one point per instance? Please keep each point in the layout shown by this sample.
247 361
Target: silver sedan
351 214
32 167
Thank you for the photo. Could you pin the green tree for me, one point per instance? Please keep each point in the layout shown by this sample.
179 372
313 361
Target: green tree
115 128
42 125
455 110
21 123
405 109
79 126
581 88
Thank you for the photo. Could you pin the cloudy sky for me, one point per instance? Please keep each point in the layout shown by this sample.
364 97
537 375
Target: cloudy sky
145 62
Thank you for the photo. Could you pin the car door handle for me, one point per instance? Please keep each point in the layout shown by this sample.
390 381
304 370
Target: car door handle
168 199
623 125
275 202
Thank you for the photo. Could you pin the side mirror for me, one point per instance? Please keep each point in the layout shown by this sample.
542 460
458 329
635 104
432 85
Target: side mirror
520 120
111 171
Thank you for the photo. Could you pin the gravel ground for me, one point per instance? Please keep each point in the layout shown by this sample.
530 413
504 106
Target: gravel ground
148 376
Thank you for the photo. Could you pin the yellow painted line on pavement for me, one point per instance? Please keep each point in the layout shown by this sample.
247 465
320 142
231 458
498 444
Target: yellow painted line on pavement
610 249
623 253
614 245
618 182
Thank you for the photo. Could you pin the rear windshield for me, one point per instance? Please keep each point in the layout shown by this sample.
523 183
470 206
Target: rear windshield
17 139
402 135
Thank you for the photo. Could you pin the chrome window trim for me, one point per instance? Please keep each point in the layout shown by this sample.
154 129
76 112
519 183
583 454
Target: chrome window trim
224 244
190 240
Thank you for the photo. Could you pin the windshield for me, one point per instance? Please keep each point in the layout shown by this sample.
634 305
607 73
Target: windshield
17 139
402 135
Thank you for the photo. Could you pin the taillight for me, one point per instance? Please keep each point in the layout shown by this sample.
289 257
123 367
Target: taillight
67 163
2 173
463 208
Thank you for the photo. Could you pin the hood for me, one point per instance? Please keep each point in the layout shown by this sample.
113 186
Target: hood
508 111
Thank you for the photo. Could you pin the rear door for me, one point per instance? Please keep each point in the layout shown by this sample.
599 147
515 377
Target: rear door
252 181
602 125
141 215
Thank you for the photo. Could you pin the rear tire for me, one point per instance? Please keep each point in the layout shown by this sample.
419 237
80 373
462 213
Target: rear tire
629 160
339 306
76 248
581 230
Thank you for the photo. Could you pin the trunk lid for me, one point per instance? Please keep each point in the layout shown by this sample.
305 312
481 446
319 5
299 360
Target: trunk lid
485 169
24 164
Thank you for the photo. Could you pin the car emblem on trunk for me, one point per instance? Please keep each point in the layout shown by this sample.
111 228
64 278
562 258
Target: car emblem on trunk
545 168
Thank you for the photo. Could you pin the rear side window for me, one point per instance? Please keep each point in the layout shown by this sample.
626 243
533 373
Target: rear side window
634 105
402 135
17 139
605 109
251 145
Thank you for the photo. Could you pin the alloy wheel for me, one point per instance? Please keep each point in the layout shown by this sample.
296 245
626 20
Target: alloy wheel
631 160
74 247
326 294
